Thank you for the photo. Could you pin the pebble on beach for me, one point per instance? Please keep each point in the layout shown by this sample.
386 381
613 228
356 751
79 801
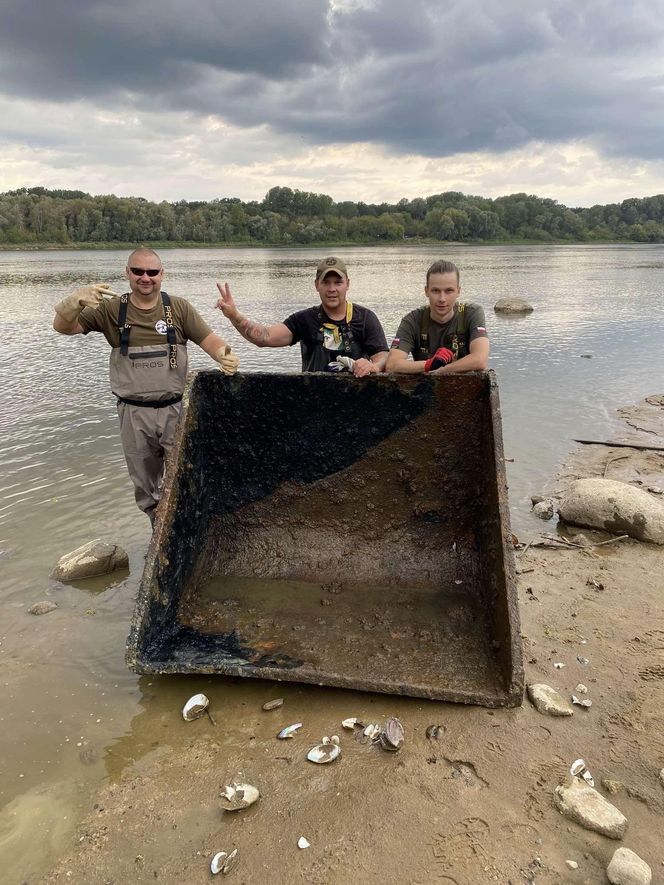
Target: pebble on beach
42 608
584 805
611 786
545 509
547 700
627 868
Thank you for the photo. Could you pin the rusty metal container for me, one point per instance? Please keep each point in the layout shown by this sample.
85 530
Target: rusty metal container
342 532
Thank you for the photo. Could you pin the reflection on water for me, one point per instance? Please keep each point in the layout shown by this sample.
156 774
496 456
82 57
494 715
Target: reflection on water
64 687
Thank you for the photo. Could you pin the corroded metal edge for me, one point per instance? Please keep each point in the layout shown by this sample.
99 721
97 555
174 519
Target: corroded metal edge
163 522
516 689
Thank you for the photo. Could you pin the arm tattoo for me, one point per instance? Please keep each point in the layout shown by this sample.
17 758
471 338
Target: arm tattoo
253 332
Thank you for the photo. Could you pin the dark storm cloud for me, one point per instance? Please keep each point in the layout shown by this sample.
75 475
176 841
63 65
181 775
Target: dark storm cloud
70 49
428 77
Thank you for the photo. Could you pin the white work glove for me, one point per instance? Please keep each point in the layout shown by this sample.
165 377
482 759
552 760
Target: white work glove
228 361
89 296
341 364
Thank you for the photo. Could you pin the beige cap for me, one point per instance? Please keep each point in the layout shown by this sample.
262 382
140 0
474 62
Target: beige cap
331 265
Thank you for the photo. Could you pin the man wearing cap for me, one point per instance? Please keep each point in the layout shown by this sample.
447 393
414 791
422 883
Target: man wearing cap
444 336
334 335
148 332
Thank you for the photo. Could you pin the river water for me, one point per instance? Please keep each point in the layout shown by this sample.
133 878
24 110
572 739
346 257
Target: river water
71 714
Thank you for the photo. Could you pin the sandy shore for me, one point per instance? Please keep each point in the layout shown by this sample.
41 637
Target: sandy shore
475 805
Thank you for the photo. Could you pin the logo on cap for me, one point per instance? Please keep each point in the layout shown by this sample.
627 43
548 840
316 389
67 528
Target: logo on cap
331 263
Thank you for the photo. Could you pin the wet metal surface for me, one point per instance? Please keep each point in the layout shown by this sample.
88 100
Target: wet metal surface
327 532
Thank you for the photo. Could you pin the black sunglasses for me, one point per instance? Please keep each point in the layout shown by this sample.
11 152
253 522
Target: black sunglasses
138 271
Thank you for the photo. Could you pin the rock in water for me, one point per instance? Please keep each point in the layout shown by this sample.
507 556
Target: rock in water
42 608
513 305
627 868
614 507
583 804
92 559
547 700
544 509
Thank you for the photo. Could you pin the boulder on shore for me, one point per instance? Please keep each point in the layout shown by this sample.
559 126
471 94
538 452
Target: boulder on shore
613 507
513 305
627 868
91 560
581 803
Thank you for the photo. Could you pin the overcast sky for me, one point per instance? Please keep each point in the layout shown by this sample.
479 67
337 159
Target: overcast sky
360 99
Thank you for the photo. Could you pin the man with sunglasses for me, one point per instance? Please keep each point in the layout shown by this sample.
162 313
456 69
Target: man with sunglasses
148 332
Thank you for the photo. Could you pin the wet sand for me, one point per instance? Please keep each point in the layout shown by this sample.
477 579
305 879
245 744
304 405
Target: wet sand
474 806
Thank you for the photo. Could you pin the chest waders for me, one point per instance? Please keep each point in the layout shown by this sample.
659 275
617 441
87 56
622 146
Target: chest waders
148 382
457 341
332 340
150 376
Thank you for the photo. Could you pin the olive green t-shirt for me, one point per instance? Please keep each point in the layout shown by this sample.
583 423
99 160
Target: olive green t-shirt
440 335
148 327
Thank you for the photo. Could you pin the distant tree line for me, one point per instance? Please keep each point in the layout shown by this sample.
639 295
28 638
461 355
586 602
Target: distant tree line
285 217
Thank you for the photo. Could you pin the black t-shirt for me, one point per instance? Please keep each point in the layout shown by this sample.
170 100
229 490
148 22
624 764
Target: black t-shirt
322 339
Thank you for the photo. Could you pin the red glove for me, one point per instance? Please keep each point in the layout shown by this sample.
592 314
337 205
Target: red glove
442 357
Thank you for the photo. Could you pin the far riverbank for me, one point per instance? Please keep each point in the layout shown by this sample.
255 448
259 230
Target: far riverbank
326 246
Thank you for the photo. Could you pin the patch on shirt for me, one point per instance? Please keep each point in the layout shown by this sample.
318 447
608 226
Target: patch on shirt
481 329
161 327
395 343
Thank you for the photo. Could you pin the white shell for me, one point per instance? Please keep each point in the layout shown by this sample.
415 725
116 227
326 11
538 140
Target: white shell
350 723
581 689
392 736
195 707
289 731
586 702
231 861
322 753
303 843
239 796
218 862
558 665
372 731
577 767
583 661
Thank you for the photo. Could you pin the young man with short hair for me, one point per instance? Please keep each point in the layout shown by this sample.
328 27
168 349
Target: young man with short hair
444 336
